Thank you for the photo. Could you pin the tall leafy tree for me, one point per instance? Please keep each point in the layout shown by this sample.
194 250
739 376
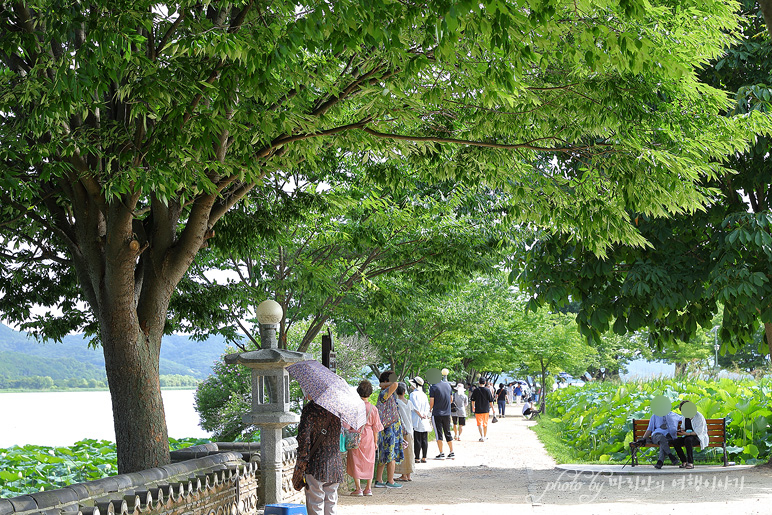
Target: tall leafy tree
342 241
129 129
553 345
697 265
406 322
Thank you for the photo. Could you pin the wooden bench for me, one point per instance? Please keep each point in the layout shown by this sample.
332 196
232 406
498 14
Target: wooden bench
716 436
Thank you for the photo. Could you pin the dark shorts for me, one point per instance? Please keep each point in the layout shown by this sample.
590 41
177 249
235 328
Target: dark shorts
442 427
459 421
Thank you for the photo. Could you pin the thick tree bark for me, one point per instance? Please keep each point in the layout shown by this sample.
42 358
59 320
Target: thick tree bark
766 10
768 327
132 364
543 396
128 285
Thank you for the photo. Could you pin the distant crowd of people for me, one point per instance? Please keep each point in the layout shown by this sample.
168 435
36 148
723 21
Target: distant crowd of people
395 436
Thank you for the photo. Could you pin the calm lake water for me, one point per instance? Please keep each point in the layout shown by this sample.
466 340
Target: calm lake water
63 418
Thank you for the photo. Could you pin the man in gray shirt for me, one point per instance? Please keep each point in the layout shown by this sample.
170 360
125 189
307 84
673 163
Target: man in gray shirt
440 395
460 401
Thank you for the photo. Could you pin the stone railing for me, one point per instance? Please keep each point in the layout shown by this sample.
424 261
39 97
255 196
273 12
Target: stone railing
219 478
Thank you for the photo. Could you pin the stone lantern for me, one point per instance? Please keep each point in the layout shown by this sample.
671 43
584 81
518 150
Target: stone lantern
270 396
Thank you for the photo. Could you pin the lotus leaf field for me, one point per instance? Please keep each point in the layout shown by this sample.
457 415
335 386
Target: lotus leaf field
596 420
33 468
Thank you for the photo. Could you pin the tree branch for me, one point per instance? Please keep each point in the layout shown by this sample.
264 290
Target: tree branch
167 35
433 139
278 142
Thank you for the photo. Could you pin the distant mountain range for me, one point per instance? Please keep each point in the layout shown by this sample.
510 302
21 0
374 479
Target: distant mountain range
21 355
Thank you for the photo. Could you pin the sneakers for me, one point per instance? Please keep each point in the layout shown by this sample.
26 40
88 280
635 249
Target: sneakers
452 456
392 485
482 439
367 492
378 484
440 456
356 493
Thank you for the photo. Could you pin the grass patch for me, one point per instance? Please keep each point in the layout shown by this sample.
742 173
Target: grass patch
549 434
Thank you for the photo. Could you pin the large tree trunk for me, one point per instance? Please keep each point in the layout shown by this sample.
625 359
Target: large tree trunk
766 10
768 334
128 272
543 396
131 362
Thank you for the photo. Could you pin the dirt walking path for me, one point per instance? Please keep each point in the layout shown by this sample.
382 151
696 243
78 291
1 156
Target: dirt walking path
512 473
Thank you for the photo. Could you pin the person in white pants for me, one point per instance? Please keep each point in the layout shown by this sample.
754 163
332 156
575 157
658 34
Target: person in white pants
321 498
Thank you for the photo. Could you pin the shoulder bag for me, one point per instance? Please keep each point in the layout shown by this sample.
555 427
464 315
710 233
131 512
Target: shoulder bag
351 437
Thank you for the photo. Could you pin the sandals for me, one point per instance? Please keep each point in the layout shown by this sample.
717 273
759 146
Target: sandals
356 493
423 460
689 466
417 460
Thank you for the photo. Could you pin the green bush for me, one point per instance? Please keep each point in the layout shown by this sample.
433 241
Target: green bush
596 420
33 468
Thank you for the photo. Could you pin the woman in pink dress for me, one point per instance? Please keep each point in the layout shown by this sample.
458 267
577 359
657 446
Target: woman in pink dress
361 461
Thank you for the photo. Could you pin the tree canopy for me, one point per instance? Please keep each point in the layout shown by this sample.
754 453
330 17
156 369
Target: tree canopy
710 262
333 245
129 129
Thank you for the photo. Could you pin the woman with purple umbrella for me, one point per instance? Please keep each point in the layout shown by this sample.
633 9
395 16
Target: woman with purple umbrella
319 467
323 467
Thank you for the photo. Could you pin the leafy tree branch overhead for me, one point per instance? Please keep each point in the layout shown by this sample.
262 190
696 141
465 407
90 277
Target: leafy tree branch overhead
710 263
334 243
129 129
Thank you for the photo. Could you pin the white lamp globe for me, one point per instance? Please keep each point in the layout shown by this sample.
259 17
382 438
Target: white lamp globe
269 312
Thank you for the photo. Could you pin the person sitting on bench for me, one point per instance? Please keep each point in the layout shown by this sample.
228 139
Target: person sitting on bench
662 430
694 432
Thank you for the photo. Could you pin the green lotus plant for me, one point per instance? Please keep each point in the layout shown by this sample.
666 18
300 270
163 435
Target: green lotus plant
596 420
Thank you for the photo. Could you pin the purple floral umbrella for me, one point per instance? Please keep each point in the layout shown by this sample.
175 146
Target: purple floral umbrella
329 391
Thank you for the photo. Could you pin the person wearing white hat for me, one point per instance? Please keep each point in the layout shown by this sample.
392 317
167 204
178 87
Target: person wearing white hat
421 418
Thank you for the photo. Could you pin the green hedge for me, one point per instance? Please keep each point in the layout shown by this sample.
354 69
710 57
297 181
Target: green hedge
596 420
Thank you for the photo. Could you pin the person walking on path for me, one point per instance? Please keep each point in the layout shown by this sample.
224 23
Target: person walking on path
460 401
360 462
481 406
440 395
420 414
390 450
405 469
491 389
324 469
501 399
